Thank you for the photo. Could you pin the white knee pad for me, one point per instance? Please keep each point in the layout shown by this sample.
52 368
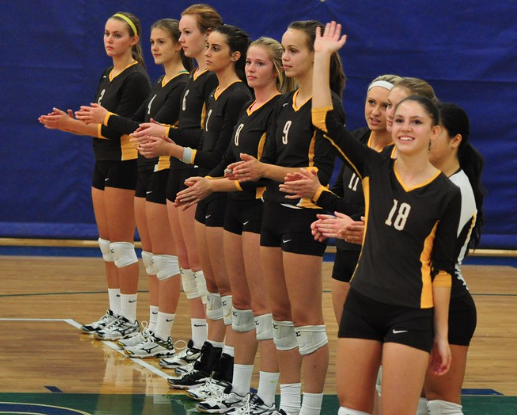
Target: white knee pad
123 253
201 285
422 408
348 411
242 320
147 259
188 281
166 266
226 303
214 309
104 245
310 338
264 327
284 335
438 407
378 382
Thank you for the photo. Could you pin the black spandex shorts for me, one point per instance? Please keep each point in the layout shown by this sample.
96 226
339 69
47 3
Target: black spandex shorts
211 211
290 229
114 173
462 320
142 183
157 187
176 181
364 318
243 216
344 264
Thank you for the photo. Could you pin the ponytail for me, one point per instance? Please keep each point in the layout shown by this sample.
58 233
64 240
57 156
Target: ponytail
135 29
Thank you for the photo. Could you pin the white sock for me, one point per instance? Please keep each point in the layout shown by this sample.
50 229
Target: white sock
438 407
128 306
153 317
199 331
268 382
242 379
114 299
216 344
164 325
290 398
422 407
229 350
348 411
311 404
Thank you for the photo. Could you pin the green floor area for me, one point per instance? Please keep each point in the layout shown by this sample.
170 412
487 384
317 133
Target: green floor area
69 404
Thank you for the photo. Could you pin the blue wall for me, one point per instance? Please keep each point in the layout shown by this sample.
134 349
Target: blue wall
52 55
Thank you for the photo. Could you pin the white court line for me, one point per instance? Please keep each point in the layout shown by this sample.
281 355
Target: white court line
110 344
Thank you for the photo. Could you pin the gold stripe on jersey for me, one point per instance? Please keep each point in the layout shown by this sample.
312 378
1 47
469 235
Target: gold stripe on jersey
261 145
203 117
194 152
250 111
426 296
259 192
197 74
366 191
111 77
295 95
164 163
165 82
319 117
99 132
128 150
409 189
106 119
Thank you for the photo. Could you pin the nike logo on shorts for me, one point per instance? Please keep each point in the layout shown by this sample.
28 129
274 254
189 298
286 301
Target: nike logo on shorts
399 331
284 241
106 179
207 216
150 191
245 223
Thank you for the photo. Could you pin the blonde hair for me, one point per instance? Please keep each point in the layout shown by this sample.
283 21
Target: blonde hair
417 86
274 51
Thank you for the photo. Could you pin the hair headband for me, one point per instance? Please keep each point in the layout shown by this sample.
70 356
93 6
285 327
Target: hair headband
128 21
383 84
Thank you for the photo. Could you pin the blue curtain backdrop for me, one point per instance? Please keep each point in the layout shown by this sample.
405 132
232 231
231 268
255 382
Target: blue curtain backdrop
52 55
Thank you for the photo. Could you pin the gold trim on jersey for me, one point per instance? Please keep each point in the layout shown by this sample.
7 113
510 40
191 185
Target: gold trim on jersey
409 189
294 100
251 111
164 163
128 150
99 132
106 118
319 117
192 158
202 119
197 74
260 192
111 77
442 279
218 91
261 145
366 191
426 296
165 82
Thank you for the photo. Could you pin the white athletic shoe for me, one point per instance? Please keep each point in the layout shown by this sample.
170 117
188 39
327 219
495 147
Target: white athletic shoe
256 406
211 389
118 329
187 356
225 402
106 319
134 340
153 347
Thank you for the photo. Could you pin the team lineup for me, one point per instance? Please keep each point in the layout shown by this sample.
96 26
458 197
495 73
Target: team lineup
224 166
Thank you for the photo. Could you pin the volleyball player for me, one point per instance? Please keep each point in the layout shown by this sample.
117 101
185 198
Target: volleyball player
291 258
346 195
162 104
122 89
196 23
252 319
400 292
225 56
452 153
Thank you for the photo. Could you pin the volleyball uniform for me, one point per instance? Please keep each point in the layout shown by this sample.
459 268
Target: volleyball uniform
223 109
294 142
115 157
462 309
244 210
345 196
189 130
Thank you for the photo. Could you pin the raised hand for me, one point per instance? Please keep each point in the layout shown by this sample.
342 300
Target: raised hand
331 40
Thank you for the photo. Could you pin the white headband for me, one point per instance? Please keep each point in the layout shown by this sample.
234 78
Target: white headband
383 84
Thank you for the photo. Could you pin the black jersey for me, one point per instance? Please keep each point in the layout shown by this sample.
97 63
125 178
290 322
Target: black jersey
192 115
120 95
466 224
410 233
163 105
249 137
223 109
294 142
346 195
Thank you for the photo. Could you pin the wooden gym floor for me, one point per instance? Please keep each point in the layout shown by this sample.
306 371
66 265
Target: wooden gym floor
48 367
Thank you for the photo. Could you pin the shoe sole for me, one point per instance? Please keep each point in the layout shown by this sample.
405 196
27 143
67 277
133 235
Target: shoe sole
185 387
128 354
215 410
